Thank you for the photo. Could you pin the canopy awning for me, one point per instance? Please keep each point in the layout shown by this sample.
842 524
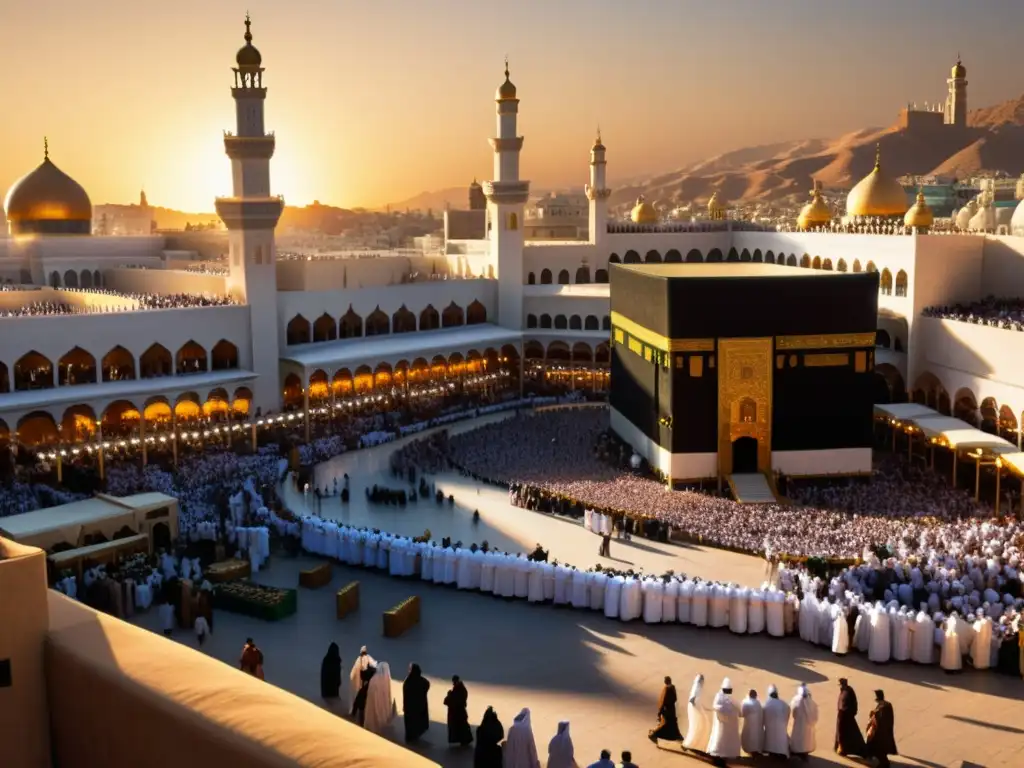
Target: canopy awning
69 557
947 430
904 411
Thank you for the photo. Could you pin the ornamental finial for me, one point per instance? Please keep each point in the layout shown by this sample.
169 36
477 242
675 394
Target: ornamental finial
878 155
248 32
506 66
46 148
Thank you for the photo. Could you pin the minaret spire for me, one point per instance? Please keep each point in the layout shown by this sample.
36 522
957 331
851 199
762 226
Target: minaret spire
46 148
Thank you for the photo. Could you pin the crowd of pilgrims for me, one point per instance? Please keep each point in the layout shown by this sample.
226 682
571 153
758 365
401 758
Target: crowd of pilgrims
145 301
1005 313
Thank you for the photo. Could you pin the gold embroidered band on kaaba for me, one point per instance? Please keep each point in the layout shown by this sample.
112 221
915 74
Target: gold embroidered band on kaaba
623 326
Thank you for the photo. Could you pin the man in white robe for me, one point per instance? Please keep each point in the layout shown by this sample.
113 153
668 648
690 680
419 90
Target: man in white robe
752 734
803 739
595 589
724 743
505 576
549 582
951 659
685 602
476 561
536 586
923 638
612 593
901 634
652 592
776 725
451 566
739 599
718 611
840 631
487 572
380 702
699 605
670 600
563 579
520 749
632 603
521 575
878 645
579 597
774 613
981 645
698 720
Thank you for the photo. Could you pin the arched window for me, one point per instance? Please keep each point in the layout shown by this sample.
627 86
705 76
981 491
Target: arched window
325 329
652 257
715 256
816 264
155 362
118 365
55 279
841 265
733 255
351 326
71 279
769 257
430 318
531 321
805 261
757 258
693 256
76 367
561 323
575 323
591 323
298 331
545 321
33 371
563 277
403 321
545 277
885 282
224 356
513 222
631 257
614 259
826 264
583 275
476 313
191 358
601 276
531 279
790 260
882 339
453 316
856 265
377 323
606 323
901 283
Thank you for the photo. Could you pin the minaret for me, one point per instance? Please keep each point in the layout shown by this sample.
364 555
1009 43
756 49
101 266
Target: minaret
506 196
956 101
598 193
251 214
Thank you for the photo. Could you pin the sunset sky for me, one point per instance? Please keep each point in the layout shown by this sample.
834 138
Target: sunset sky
373 102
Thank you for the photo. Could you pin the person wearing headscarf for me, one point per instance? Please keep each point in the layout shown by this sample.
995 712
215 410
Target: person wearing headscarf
752 734
330 678
802 739
363 670
776 725
668 720
489 735
415 709
520 749
457 700
848 738
881 740
698 721
560 750
724 743
380 703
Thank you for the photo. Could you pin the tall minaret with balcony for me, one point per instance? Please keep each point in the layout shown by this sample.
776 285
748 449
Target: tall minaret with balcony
598 193
956 101
506 197
250 215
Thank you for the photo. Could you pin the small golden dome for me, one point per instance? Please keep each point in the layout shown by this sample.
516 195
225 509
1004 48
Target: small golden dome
920 215
877 194
816 213
506 91
248 57
643 212
48 201
959 71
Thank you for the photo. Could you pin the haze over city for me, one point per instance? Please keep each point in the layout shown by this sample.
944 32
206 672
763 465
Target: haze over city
375 102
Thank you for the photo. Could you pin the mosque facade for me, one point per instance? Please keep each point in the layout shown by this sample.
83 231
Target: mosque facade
301 339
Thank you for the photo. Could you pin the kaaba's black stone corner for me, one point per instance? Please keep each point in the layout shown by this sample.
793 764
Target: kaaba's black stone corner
669 319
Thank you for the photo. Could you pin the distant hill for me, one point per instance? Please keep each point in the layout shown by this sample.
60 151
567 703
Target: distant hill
166 218
994 141
456 197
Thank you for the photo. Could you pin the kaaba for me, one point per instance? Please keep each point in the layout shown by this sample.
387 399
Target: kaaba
721 369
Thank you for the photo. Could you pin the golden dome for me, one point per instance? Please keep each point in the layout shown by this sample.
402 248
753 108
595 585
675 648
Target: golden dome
643 212
877 194
959 71
920 215
248 57
48 201
506 91
816 213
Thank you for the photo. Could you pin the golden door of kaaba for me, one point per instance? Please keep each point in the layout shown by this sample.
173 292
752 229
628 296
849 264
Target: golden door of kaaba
744 401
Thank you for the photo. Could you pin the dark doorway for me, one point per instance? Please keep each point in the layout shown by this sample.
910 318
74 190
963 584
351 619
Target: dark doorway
880 387
744 455
161 537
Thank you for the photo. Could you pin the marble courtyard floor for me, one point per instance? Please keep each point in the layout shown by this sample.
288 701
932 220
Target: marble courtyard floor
602 675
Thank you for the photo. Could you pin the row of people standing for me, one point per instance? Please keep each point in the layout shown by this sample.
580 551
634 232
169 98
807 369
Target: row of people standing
776 728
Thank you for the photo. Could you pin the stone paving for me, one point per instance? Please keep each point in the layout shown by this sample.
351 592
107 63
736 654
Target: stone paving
602 675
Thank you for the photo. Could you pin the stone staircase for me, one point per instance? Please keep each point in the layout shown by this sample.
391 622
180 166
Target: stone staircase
751 488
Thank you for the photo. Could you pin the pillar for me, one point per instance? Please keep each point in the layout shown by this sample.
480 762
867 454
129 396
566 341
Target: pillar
60 464
305 405
522 370
977 477
954 466
99 437
254 435
174 436
999 477
142 435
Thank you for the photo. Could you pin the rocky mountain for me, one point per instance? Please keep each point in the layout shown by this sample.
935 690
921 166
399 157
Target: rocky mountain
994 141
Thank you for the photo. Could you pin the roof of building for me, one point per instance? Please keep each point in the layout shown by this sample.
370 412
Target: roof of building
190 691
28 526
730 269
465 225
374 349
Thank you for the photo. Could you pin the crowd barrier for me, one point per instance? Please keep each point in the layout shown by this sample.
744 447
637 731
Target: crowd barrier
315 577
402 617
347 599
